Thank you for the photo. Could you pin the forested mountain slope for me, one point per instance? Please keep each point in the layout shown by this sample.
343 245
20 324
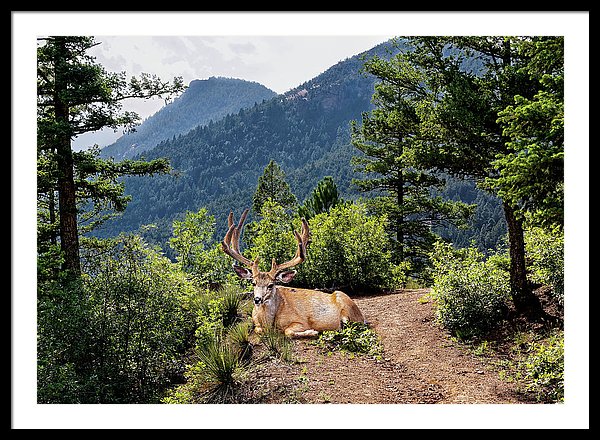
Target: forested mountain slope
218 164
306 131
203 101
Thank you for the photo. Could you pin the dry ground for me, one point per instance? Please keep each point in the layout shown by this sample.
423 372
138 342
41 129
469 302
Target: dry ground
420 364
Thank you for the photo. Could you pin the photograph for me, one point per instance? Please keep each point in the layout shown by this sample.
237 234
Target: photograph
240 220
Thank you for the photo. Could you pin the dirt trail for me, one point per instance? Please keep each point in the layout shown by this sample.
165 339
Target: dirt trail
420 364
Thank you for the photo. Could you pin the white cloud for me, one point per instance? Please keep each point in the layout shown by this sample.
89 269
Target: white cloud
278 62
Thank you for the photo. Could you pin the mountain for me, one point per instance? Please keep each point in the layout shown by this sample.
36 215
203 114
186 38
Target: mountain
203 101
217 165
306 131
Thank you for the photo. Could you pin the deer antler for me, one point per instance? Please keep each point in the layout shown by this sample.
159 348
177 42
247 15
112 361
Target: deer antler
231 242
303 239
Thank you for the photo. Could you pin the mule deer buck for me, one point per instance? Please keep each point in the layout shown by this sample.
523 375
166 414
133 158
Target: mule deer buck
295 312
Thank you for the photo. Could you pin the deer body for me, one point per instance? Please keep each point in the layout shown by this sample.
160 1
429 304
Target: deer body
304 312
296 312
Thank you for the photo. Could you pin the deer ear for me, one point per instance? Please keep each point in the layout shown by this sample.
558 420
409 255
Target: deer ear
286 276
243 272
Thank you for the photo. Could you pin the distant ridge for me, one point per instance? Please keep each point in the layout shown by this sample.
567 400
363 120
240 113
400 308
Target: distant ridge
305 130
203 101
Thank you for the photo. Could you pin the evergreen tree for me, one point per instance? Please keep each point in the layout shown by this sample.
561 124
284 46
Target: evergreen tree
468 83
75 96
273 186
532 170
324 197
388 137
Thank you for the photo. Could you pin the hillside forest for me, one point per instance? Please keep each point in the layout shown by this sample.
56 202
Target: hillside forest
430 162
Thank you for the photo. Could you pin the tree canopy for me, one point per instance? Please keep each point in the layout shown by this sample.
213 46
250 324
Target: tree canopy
470 97
75 96
273 186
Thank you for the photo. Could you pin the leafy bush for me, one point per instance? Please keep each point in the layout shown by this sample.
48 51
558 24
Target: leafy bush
272 236
141 328
470 293
541 369
349 250
353 337
64 335
116 335
206 263
544 369
545 253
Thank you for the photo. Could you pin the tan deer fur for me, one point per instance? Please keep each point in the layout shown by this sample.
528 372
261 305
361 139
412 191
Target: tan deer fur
295 312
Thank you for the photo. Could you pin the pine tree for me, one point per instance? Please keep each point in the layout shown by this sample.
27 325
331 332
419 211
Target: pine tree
387 139
324 197
531 173
273 186
75 96
470 127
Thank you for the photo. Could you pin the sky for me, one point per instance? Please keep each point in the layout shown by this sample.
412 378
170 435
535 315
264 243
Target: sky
282 50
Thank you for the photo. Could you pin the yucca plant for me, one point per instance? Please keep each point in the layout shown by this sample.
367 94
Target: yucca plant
222 365
277 343
238 335
233 302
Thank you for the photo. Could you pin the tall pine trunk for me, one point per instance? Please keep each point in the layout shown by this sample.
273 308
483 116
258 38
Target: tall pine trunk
67 201
524 299
67 208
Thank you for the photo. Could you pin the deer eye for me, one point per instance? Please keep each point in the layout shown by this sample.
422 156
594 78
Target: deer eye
270 286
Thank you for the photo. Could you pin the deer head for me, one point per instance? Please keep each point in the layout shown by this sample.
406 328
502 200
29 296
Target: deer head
263 282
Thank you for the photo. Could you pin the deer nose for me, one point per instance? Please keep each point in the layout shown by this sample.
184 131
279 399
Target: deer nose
257 300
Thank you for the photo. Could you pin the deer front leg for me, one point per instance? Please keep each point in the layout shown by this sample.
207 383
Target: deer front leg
298 331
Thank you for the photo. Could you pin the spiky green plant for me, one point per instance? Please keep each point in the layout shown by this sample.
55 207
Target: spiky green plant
238 335
233 301
277 343
221 368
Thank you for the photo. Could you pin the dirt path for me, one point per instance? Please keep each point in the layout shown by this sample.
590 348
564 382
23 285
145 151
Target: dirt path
420 364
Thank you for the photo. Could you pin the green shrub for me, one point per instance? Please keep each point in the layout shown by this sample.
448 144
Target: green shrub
65 333
541 369
140 326
118 334
349 250
353 337
545 254
544 369
471 294
191 241
272 236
